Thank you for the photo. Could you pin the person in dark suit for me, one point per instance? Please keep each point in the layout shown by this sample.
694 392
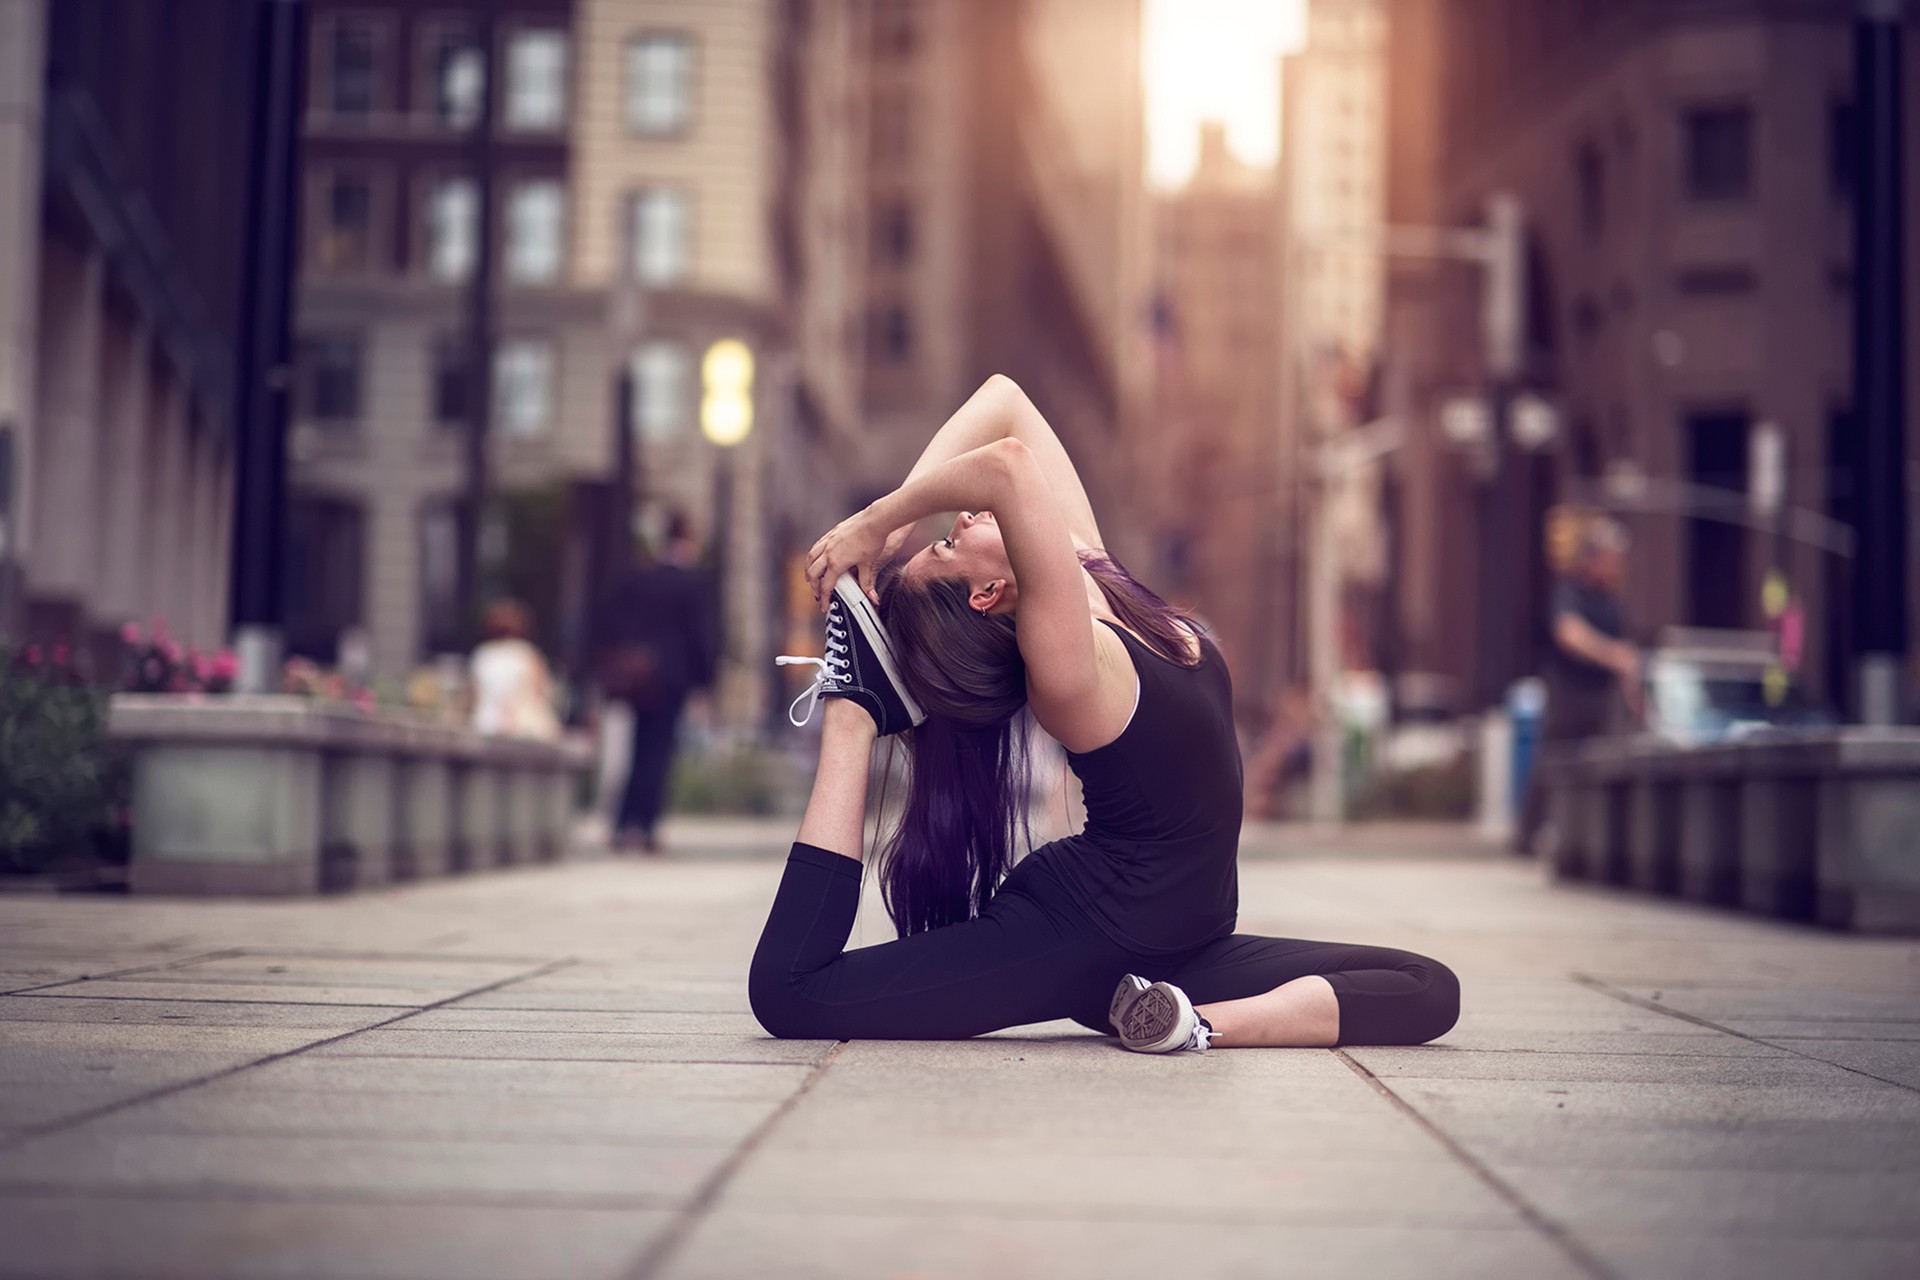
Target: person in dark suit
658 642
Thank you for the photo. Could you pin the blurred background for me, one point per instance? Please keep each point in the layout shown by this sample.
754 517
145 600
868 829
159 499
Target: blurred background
325 322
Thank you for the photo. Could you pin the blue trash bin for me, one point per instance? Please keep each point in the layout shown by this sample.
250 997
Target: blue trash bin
1526 707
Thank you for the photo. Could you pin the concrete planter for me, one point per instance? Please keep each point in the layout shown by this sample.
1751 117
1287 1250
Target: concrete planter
1822 826
283 795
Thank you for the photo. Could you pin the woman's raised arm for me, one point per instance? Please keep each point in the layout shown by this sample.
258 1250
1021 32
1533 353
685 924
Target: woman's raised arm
997 411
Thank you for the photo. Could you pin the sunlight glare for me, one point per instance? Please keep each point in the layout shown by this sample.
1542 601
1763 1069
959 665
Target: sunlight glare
1215 60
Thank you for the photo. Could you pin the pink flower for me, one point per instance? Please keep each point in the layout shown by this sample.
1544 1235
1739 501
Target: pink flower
59 653
225 665
363 699
170 651
159 627
130 634
32 655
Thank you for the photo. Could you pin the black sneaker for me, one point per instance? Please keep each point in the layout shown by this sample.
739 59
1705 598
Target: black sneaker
859 665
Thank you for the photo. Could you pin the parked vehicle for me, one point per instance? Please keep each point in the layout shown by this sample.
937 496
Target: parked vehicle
1706 686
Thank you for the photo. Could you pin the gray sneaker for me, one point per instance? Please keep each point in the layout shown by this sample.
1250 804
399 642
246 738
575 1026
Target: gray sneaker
1156 1017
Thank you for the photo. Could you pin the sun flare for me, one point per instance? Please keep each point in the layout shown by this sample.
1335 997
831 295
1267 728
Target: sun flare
1215 60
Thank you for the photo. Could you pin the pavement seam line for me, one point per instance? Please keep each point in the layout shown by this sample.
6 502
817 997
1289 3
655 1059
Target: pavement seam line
658 1254
1555 1234
225 953
1606 988
153 1095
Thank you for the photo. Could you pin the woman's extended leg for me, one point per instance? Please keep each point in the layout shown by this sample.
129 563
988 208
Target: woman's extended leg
1025 959
1286 992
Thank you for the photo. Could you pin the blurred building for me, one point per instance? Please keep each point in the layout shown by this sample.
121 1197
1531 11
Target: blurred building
1333 149
122 209
972 201
886 199
1685 173
1220 494
632 168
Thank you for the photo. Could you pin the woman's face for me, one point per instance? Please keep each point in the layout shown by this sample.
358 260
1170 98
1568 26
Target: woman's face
973 550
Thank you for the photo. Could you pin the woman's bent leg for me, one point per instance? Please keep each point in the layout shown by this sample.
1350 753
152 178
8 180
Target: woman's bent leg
1274 991
1019 962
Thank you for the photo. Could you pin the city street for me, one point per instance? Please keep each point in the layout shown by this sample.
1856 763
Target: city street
552 1072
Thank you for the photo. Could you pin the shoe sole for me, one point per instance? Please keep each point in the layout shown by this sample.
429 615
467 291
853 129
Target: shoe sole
861 610
1123 997
1150 1019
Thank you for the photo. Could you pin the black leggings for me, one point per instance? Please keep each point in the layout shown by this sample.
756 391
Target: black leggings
1033 956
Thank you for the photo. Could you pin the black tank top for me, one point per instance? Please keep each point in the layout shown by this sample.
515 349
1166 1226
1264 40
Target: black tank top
1155 866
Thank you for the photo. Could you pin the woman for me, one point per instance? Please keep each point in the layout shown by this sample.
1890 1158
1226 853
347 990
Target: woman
1126 927
512 686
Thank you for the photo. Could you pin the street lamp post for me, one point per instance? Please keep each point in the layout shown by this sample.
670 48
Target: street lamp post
726 420
1879 385
1498 250
264 374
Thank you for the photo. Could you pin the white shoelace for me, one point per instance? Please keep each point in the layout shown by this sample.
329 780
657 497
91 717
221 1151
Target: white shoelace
835 668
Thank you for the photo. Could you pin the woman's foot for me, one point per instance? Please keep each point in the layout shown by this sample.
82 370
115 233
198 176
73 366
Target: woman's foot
859 665
1156 1017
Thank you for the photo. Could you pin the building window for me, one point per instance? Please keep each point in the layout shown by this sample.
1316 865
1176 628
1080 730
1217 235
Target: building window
456 75
536 232
451 394
453 226
657 235
896 29
659 83
891 136
1716 550
1590 173
345 239
1843 143
328 385
326 547
523 387
1719 153
662 390
350 69
440 578
890 334
537 80
893 233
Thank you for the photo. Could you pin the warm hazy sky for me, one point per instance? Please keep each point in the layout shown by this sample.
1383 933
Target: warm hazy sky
1215 60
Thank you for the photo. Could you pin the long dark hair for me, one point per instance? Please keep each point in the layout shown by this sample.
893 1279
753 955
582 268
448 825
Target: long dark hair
968 776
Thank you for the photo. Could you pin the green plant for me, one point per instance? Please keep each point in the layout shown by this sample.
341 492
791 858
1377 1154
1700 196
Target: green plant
742 782
1435 792
59 781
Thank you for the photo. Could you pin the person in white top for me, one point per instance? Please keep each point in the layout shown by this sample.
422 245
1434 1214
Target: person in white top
512 686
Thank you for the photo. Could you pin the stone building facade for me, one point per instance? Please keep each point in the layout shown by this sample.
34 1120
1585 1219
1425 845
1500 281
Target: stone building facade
1685 174
121 212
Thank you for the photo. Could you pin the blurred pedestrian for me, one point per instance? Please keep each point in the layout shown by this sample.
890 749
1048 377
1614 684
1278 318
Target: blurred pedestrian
657 643
1591 667
511 682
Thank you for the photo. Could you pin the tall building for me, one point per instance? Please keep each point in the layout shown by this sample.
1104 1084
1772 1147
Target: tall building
122 209
633 163
1220 494
1685 172
999 222
1333 130
886 200
964 195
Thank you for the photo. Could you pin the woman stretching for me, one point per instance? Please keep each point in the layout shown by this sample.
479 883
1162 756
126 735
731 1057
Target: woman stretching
1126 927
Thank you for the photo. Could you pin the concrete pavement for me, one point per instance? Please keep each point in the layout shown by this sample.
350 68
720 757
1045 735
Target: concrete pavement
551 1072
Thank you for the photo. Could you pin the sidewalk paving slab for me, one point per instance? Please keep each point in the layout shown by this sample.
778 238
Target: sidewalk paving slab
553 1072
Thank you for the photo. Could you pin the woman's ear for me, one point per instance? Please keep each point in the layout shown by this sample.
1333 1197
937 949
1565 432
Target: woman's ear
985 598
